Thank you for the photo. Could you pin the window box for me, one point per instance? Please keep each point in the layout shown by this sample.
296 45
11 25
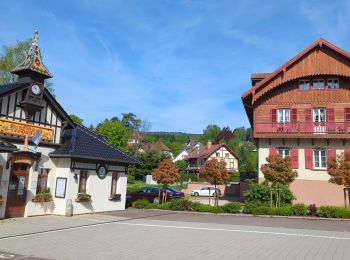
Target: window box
115 197
44 196
82 197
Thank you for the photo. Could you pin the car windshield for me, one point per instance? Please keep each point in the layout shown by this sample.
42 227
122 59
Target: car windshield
171 189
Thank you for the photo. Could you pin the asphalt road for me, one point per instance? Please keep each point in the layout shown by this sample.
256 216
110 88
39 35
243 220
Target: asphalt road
153 234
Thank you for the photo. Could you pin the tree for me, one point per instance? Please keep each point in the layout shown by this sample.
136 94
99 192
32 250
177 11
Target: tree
215 173
211 133
339 170
76 119
149 161
130 121
225 135
166 173
10 58
115 133
278 171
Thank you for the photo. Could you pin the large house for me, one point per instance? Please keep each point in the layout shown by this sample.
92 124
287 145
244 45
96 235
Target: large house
188 147
220 152
302 110
41 147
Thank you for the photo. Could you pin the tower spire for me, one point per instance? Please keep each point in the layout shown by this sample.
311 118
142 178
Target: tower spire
33 61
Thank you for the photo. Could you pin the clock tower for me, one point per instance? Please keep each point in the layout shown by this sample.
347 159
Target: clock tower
32 73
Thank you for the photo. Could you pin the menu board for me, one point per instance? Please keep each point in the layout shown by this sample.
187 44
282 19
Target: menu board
60 191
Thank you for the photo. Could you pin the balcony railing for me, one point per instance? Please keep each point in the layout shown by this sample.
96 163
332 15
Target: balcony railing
329 128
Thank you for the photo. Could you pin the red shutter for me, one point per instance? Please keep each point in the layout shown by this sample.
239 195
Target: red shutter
308 115
347 114
294 115
295 158
273 151
273 115
330 114
308 158
331 153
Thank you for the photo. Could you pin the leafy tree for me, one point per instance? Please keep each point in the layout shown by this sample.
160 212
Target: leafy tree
76 119
211 133
130 121
149 161
182 165
278 171
225 135
215 172
260 193
339 170
115 133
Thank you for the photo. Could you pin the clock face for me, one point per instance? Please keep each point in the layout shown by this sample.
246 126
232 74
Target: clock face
102 171
36 89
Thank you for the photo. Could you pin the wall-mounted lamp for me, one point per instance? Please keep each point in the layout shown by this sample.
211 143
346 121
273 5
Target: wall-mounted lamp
75 176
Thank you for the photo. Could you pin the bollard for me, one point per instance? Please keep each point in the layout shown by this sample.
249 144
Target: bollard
69 208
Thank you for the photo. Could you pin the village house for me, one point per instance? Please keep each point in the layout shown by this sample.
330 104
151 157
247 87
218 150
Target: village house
221 152
41 148
188 147
302 110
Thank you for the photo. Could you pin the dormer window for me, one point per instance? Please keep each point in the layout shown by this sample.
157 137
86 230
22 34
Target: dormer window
333 83
304 84
318 84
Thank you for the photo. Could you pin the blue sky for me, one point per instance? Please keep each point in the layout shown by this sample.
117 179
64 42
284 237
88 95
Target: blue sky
180 64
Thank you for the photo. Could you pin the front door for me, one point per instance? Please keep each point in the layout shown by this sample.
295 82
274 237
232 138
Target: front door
17 192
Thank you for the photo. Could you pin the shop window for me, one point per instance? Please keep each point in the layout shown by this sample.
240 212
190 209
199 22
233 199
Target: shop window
82 181
318 84
42 180
284 152
114 187
320 159
333 83
304 84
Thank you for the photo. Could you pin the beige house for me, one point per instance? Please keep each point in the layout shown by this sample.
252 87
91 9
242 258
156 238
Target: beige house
220 152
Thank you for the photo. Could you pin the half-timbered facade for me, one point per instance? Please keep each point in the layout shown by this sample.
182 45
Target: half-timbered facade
41 148
302 110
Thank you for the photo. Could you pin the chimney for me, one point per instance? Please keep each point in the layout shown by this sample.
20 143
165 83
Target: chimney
209 144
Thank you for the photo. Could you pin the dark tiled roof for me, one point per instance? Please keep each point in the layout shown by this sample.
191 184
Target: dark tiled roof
7 147
84 143
9 87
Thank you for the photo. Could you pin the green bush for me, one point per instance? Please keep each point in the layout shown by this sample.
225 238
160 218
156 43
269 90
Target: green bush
299 209
199 207
216 209
282 211
333 212
232 207
141 204
260 193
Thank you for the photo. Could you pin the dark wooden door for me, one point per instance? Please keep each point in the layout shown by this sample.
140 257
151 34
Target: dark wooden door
17 192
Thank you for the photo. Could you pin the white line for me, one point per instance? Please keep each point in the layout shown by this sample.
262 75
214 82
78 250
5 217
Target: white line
95 220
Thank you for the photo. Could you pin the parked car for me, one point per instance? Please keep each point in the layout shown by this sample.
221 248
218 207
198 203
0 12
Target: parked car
149 193
206 191
175 193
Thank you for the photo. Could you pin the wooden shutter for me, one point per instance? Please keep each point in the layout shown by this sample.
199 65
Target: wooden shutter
295 158
273 115
331 154
330 114
308 115
294 115
347 114
82 181
273 151
308 158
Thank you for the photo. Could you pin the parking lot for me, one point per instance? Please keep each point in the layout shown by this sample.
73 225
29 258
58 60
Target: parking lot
155 234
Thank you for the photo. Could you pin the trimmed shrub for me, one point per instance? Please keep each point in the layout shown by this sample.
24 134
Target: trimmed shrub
232 207
299 209
141 204
199 207
282 211
333 212
216 209
260 193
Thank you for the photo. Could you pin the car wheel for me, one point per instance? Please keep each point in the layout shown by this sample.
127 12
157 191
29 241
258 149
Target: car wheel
156 200
196 194
214 194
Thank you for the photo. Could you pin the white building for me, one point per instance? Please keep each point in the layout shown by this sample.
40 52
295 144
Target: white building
76 164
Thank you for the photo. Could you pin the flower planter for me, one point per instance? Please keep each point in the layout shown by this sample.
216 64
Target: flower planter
42 198
83 197
115 197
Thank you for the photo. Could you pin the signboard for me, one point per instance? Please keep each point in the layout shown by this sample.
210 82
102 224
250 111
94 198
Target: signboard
9 127
60 191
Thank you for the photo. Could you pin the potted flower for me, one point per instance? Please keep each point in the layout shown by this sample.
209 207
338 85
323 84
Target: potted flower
115 197
43 196
83 196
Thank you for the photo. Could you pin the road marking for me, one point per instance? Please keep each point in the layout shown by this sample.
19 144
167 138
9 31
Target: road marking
102 223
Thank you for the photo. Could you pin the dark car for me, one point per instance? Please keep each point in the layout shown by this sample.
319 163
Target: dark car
175 193
150 193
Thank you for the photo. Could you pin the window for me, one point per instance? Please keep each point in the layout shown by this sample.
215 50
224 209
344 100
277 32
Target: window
318 84
333 83
227 155
42 180
284 152
284 115
114 183
82 181
320 159
217 154
319 115
304 84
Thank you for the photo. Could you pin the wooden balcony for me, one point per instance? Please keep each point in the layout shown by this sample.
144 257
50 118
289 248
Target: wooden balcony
339 130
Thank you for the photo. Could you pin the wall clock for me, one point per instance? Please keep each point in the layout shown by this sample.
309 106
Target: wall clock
36 89
102 171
